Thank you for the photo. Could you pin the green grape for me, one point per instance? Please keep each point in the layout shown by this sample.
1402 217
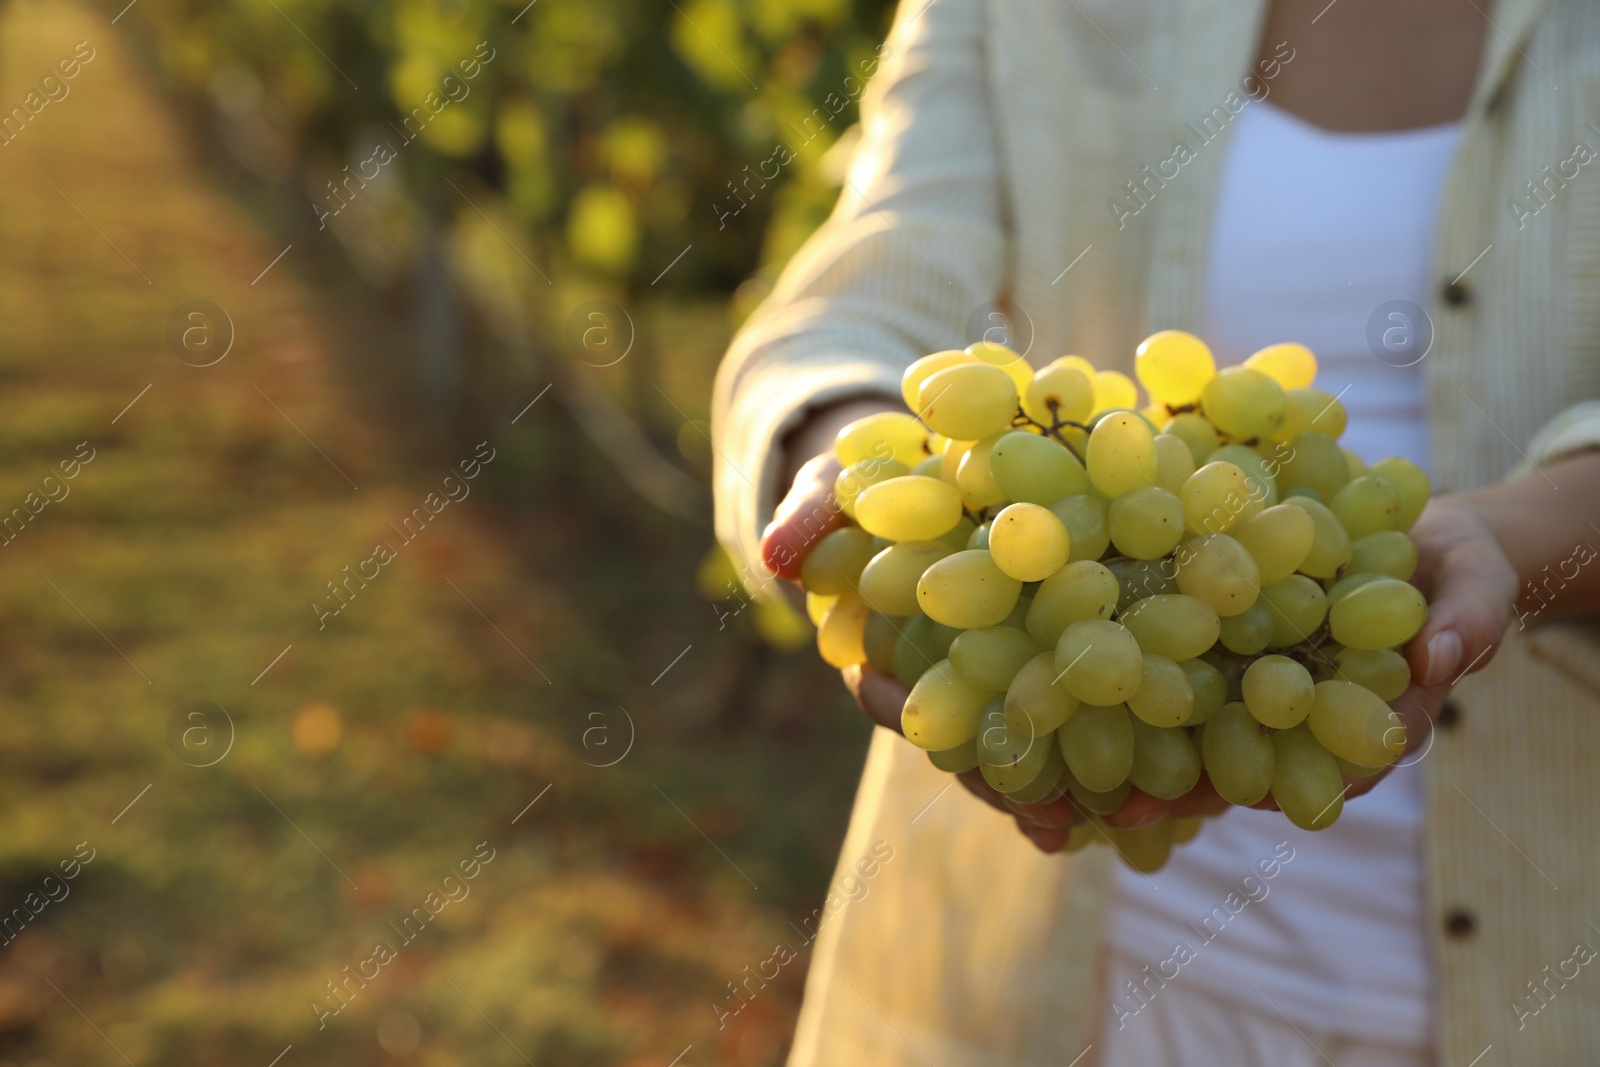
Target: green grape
1099 662
1249 632
1330 542
1098 745
817 606
1298 606
1304 491
1316 410
991 657
1215 497
1244 403
959 534
924 368
1368 504
888 435
1353 723
1122 454
1387 552
1279 539
1113 391
1218 571
1409 482
1028 542
1238 756
1083 834
1290 365
1210 690
950 461
927 468
1383 670
966 590
1196 431
1078 591
1263 487
834 563
1145 849
1174 462
1357 467
1382 613
975 476
1231 668
1046 785
1305 780
1035 704
1164 696
878 639
1059 393
841 636
1139 578
1007 359
1173 625
942 710
1035 470
1174 367
1165 763
1355 770
1018 619
1088 800
921 644
962 758
979 538
889 581
908 508
968 401
1009 760
1278 691
1146 523
856 477
1084 516
1315 462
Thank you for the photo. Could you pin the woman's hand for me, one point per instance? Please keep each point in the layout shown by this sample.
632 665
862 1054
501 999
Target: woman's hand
1046 825
1470 586
807 514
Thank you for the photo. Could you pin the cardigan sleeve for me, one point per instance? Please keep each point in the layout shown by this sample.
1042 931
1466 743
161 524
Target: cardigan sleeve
1571 645
912 248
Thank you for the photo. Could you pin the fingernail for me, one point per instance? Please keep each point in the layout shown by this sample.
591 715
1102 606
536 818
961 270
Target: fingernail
1444 656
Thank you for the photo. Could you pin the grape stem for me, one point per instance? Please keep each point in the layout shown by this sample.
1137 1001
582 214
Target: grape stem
1053 431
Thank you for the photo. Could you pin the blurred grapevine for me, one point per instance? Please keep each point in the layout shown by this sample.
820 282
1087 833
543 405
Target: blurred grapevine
538 156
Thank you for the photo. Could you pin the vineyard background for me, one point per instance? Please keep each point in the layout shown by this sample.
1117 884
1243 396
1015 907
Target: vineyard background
571 606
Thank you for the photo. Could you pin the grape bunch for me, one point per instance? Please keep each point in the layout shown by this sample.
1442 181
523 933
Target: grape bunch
1084 596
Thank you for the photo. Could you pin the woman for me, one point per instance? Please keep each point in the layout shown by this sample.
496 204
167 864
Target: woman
1253 173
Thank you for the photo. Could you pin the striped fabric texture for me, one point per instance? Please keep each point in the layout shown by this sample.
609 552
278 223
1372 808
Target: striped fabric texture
998 141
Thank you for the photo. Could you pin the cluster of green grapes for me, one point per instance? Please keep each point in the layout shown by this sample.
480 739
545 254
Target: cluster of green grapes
1085 597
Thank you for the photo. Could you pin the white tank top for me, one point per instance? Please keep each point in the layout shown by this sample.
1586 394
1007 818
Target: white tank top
1316 235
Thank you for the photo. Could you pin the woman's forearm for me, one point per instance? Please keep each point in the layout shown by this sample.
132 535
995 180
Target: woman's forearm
1548 525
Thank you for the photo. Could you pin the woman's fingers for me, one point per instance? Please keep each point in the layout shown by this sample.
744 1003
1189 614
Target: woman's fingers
1141 809
1057 814
807 514
1471 588
974 783
881 696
